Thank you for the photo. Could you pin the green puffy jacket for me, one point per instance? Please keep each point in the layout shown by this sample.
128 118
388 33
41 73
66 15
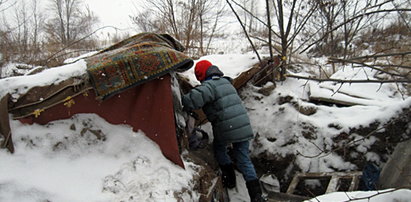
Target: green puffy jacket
223 107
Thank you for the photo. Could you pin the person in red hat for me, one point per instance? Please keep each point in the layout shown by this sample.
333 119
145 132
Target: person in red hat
230 122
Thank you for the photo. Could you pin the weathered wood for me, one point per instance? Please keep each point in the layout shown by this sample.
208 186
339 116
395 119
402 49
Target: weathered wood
333 101
335 178
279 197
244 77
354 183
293 184
332 185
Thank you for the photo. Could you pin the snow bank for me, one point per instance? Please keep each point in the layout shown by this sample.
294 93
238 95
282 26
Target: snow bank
19 85
370 196
231 65
284 130
362 93
87 159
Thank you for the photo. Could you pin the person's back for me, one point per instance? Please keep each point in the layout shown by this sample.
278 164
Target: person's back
226 112
224 109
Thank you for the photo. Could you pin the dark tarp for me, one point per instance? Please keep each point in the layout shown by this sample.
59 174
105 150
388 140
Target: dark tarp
147 107
127 72
5 124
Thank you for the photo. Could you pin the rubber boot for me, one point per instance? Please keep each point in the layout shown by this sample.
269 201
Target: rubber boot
228 176
254 190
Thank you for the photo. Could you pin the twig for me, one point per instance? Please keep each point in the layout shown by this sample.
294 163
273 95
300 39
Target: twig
374 195
303 23
352 142
244 29
392 65
349 81
255 17
14 3
264 41
399 90
402 16
77 41
380 55
338 89
269 29
352 19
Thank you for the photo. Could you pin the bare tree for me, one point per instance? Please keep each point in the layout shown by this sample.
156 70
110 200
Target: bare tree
20 38
249 12
70 20
6 4
291 20
338 24
195 22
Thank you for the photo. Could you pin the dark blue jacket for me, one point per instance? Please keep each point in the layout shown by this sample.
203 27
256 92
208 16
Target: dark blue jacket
223 107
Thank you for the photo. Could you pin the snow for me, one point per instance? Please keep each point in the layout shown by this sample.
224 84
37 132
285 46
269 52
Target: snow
73 60
19 85
362 93
231 65
282 122
371 196
12 68
285 122
57 162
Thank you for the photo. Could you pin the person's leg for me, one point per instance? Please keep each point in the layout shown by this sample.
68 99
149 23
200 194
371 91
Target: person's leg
226 165
246 167
220 153
243 161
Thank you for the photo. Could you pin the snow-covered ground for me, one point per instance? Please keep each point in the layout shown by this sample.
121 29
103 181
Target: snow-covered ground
284 123
59 162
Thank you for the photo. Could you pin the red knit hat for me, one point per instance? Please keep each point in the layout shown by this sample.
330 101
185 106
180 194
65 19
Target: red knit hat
201 68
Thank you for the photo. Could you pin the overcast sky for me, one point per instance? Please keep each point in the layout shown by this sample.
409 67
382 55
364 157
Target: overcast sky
114 13
110 12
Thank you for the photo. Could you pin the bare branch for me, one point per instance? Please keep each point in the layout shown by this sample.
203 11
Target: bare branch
381 55
348 81
324 153
269 28
7 7
352 19
75 42
255 17
245 31
402 16
302 24
366 65
379 192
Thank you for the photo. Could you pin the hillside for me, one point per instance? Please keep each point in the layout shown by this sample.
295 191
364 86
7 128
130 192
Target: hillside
66 161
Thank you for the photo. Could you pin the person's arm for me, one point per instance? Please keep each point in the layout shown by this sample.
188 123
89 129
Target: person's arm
197 97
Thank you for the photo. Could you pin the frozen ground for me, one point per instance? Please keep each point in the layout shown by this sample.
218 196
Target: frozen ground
57 162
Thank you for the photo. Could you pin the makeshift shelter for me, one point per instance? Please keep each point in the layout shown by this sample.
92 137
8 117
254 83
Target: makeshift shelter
127 83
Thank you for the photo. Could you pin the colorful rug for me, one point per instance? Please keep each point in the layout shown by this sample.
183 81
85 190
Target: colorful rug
134 61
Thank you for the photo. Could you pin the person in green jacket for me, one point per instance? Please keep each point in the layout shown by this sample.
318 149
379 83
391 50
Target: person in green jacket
230 123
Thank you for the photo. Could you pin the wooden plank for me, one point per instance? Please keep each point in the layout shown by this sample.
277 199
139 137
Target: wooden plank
329 174
278 196
332 185
354 183
293 184
244 77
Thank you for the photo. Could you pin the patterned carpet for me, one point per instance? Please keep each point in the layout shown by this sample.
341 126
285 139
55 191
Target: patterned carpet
134 61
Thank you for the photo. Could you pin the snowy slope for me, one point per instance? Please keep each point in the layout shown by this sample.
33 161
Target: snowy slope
283 122
280 125
66 161
59 162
